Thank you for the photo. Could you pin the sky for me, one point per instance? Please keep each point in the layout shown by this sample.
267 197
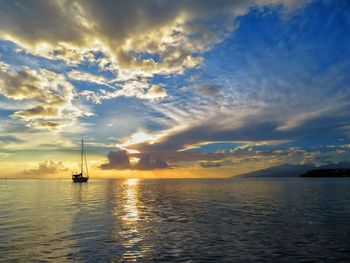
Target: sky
160 88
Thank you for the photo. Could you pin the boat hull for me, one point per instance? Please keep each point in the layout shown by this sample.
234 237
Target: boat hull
80 179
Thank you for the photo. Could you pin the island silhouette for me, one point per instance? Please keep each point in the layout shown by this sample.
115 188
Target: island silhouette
327 173
339 169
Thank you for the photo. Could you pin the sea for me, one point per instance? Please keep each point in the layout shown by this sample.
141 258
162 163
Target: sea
175 220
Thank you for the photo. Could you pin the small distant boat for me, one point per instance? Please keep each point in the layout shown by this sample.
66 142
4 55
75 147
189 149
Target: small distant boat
83 176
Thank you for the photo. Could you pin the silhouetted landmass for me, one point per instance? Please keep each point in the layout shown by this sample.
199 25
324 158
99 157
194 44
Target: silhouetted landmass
290 170
327 173
284 170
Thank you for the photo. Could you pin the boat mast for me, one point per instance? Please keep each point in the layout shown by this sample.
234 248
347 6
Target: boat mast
86 166
81 161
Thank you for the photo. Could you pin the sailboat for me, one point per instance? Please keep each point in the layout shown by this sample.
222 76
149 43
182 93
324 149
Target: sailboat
83 176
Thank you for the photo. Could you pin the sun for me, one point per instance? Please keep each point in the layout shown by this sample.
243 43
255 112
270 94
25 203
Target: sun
139 137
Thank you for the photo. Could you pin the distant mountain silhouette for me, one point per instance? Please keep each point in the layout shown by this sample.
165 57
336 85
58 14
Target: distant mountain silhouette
327 173
284 170
290 170
341 169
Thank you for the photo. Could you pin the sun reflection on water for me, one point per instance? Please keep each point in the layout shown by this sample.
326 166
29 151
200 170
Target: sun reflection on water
131 201
129 219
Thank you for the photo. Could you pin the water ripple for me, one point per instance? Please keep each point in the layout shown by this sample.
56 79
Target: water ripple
175 220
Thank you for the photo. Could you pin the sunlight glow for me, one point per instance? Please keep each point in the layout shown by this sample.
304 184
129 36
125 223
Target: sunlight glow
140 137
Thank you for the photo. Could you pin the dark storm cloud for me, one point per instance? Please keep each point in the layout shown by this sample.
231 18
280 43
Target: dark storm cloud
120 160
213 132
117 160
145 163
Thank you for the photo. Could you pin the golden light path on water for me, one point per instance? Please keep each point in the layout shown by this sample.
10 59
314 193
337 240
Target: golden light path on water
131 201
130 217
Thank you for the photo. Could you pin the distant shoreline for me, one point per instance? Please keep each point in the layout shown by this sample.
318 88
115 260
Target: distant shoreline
327 173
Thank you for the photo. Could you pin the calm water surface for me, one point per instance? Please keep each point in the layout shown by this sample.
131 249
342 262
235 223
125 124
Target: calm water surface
276 220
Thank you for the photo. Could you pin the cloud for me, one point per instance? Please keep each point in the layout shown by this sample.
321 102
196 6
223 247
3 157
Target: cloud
145 163
272 152
4 155
252 108
4 139
132 88
49 95
210 164
46 168
155 92
38 112
291 155
215 164
120 160
117 160
50 124
209 90
305 118
150 36
213 130
133 40
253 89
248 129
88 77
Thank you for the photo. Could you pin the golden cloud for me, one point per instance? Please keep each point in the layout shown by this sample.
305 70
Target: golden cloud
172 33
49 94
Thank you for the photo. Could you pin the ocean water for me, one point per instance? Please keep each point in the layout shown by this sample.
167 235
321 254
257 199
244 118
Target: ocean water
243 220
